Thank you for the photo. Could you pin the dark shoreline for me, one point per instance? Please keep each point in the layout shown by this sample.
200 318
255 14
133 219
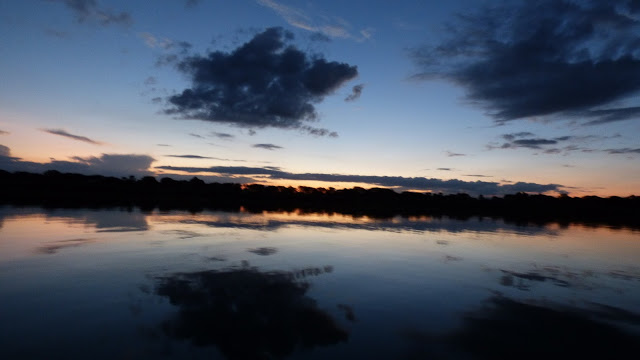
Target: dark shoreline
57 190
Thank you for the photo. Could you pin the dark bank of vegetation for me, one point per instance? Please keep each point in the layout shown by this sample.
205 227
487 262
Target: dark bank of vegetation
55 189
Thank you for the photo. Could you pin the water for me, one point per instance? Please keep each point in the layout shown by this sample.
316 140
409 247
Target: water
115 284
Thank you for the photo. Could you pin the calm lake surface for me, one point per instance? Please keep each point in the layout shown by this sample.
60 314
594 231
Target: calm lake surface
115 284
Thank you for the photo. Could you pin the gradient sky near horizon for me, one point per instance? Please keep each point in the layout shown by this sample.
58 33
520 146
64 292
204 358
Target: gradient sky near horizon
488 97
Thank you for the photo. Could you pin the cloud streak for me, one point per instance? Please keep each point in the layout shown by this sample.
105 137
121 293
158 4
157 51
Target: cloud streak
399 182
547 58
356 91
454 154
265 82
267 146
223 136
89 10
323 27
623 151
191 157
66 134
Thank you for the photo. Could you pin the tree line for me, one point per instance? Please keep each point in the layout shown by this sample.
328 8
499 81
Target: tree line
55 189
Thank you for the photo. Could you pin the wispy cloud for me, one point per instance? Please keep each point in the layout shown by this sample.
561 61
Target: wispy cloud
333 27
156 42
356 91
2 132
64 133
478 175
562 145
623 151
190 157
267 146
90 10
453 154
223 136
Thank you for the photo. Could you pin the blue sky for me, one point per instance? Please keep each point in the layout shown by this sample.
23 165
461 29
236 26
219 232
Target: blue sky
480 97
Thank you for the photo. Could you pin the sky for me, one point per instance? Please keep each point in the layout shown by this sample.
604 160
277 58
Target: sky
481 97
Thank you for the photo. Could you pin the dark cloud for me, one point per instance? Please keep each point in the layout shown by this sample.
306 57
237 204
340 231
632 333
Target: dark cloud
356 91
196 136
528 140
610 115
319 132
623 151
444 169
2 132
533 143
399 182
558 58
452 154
267 146
190 156
513 136
222 135
166 145
117 164
479 176
106 164
4 151
89 10
64 133
265 82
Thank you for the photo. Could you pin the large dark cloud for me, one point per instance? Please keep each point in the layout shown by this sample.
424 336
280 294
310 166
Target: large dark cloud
265 82
417 183
90 10
106 164
556 58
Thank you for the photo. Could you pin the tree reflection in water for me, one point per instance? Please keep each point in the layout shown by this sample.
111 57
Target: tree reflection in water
510 329
246 313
